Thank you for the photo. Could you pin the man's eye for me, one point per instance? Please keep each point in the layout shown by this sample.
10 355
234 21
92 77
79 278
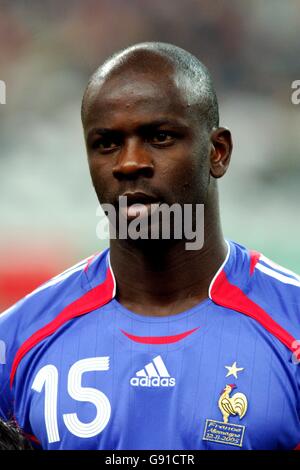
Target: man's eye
161 138
106 145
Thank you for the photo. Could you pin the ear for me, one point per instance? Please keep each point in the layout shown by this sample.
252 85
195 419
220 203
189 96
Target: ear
221 148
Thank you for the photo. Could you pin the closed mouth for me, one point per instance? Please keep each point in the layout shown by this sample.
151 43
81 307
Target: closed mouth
139 198
137 204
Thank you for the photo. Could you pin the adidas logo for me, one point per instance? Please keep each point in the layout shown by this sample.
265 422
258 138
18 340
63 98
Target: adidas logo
155 374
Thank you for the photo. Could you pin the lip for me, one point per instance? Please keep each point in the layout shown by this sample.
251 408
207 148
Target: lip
138 197
139 204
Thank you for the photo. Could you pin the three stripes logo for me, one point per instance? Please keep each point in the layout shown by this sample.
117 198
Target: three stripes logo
154 374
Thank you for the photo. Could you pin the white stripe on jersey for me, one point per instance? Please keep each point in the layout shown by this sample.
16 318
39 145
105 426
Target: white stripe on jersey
279 268
277 275
219 270
57 279
72 268
113 276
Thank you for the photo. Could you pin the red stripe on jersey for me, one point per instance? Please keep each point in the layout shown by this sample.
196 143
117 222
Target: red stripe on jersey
297 447
159 339
32 438
230 296
95 298
254 258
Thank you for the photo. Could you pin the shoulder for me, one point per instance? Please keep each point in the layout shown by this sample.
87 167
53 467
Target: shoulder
43 304
256 274
276 290
75 292
30 314
277 287
249 283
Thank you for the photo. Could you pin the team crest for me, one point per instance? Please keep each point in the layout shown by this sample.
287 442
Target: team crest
223 431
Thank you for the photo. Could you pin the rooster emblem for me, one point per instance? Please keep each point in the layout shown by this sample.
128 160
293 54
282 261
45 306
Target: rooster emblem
237 404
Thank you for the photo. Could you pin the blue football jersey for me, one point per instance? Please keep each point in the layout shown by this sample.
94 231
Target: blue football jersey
80 371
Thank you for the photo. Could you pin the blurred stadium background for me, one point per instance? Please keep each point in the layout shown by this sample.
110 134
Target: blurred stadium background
47 52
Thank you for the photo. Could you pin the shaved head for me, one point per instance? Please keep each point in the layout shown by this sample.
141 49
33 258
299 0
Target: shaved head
150 122
190 76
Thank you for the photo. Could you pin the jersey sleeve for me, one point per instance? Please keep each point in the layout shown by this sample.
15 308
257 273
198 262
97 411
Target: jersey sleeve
7 348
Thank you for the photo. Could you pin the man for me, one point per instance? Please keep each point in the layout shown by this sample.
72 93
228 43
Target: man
150 345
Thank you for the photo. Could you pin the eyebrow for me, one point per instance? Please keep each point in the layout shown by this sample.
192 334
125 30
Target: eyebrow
163 122
149 125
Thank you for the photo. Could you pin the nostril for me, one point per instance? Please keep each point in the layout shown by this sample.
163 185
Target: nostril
131 169
147 171
126 167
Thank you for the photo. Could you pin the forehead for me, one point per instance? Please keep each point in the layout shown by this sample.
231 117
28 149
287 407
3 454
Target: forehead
136 96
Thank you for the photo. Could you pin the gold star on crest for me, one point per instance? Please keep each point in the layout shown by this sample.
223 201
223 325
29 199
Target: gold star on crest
233 370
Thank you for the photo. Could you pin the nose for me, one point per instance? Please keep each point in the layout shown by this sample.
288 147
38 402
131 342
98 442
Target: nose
133 160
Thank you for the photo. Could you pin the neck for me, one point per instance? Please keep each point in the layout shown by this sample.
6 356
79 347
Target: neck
162 277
